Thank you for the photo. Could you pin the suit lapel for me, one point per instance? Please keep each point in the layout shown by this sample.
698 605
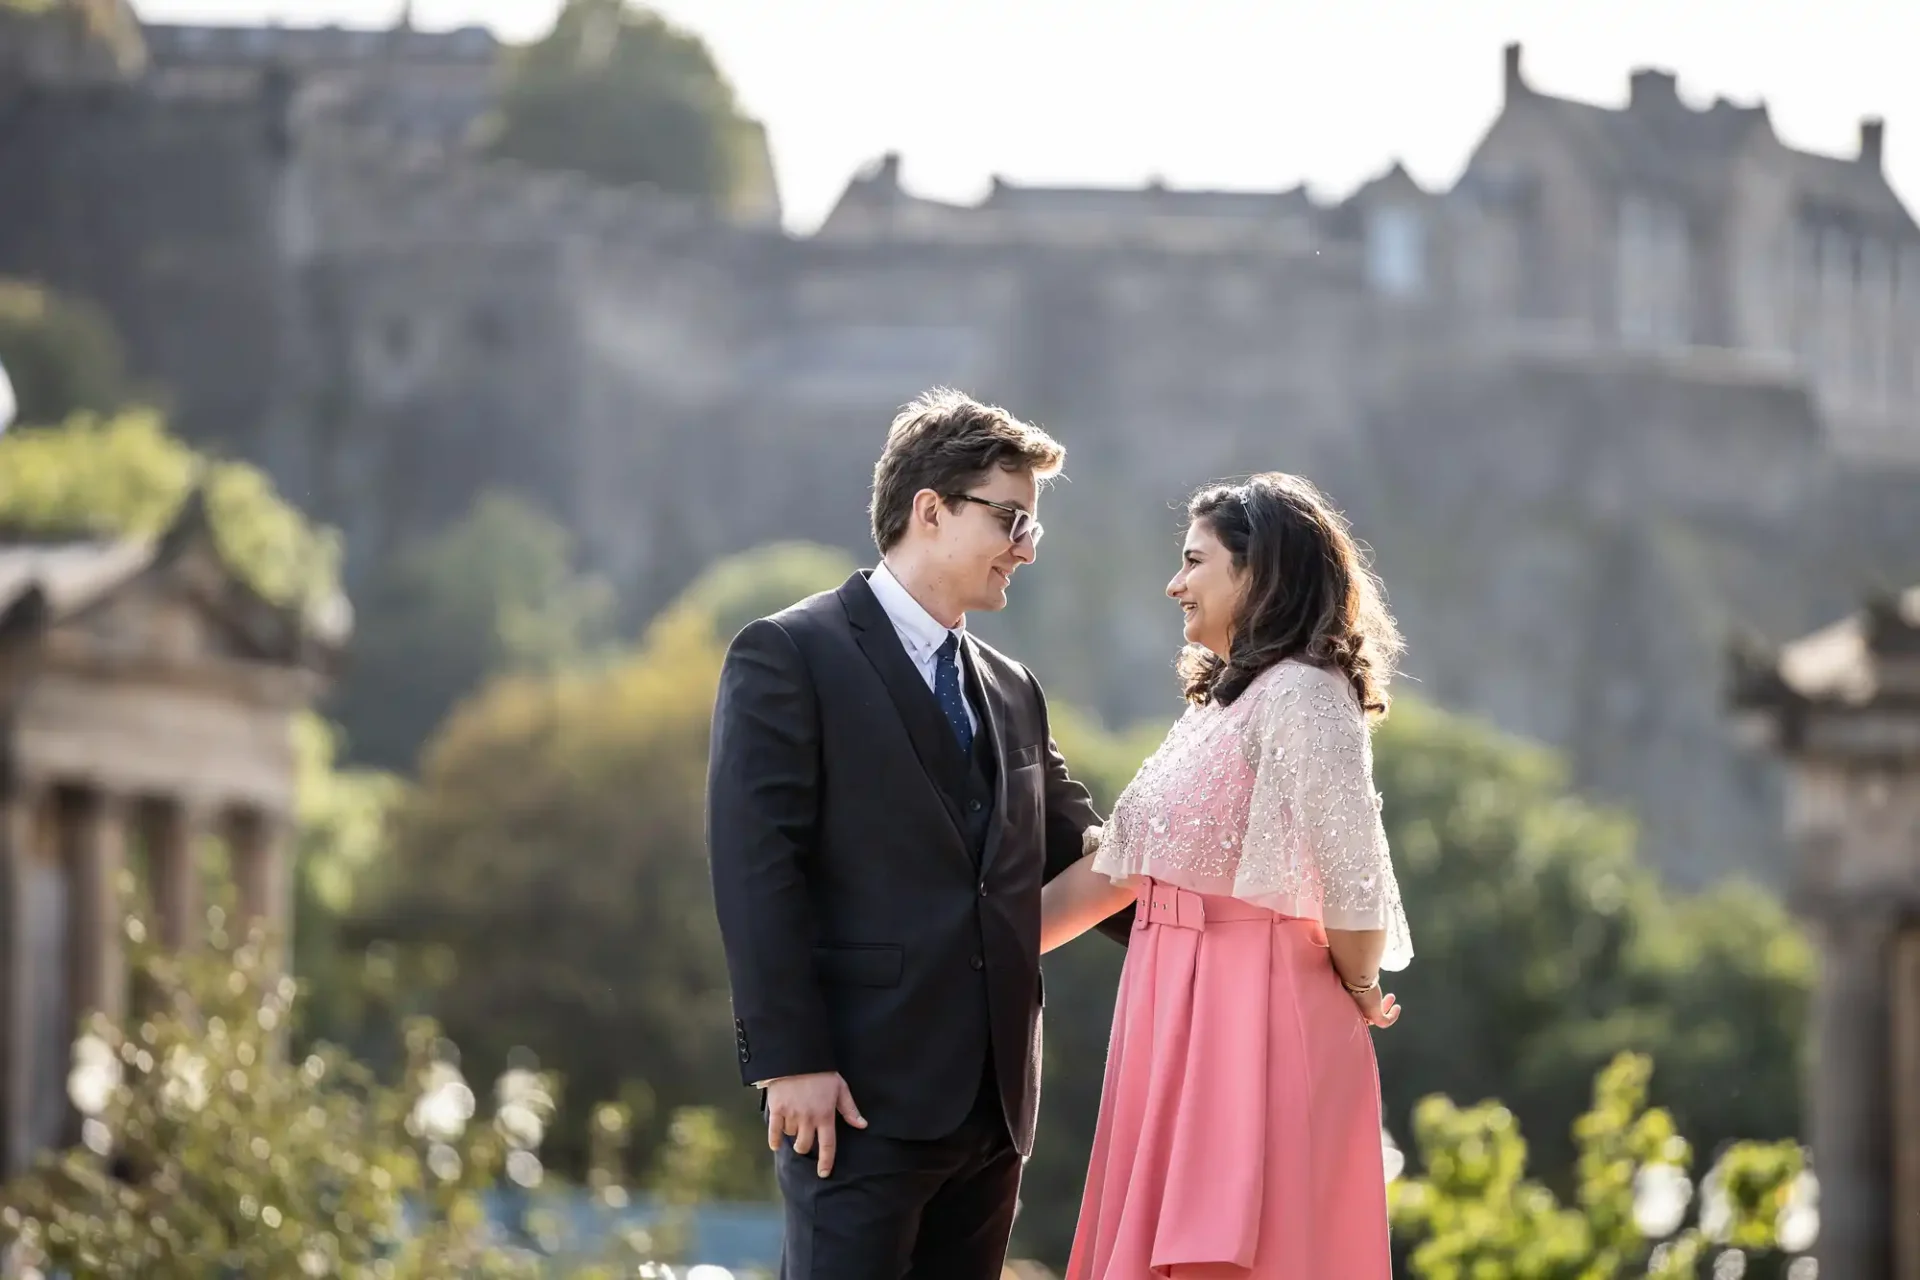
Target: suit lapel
993 722
932 740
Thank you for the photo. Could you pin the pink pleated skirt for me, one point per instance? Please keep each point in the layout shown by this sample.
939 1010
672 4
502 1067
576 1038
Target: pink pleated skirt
1239 1131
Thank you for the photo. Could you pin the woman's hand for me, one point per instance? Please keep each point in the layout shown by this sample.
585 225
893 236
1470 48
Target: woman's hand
1359 951
1379 1009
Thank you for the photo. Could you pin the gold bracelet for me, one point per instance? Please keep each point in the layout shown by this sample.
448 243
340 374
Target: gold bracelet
1352 990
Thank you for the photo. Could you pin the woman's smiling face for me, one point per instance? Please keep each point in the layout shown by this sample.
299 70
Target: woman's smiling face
1209 587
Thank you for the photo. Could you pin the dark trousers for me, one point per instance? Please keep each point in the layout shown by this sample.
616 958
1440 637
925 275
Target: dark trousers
899 1210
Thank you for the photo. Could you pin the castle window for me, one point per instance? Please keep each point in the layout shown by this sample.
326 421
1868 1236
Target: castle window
1653 290
1396 251
1833 341
397 339
1804 296
395 355
1906 331
1873 325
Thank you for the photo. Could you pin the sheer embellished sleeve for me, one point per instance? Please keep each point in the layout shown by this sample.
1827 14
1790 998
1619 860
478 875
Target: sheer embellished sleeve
1314 844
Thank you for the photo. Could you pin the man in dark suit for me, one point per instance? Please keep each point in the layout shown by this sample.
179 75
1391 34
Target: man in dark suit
885 801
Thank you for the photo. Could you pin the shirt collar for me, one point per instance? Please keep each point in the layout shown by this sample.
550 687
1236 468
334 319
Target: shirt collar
919 631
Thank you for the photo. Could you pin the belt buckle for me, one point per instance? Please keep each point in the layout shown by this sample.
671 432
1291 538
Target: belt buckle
1190 911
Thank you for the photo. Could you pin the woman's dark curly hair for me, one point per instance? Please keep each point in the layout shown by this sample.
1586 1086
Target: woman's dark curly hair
1310 593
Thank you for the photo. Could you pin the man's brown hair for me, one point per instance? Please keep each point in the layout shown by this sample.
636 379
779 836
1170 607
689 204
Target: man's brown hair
946 441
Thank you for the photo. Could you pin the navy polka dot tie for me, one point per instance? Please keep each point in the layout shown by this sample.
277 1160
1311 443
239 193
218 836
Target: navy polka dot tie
946 689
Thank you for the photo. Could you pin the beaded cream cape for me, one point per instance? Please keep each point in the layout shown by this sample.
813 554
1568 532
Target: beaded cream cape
1269 800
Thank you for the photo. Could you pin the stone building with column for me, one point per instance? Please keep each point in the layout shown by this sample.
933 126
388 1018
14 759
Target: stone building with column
1843 707
146 699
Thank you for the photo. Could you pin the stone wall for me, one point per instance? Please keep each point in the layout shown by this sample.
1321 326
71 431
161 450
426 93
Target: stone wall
165 213
1568 529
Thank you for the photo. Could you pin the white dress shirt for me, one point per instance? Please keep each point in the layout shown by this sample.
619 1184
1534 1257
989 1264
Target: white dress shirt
920 634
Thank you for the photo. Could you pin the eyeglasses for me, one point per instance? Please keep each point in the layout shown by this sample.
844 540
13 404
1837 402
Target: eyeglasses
1021 525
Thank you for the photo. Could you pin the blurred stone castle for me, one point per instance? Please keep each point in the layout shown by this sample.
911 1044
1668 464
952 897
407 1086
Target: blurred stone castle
1639 376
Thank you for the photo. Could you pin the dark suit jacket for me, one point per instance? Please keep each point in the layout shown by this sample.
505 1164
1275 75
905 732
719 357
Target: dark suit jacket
862 935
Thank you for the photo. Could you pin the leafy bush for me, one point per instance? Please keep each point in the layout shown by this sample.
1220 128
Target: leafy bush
125 476
210 1151
1474 1212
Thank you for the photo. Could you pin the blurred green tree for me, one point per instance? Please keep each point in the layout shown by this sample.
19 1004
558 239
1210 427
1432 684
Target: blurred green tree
1544 947
60 355
619 94
494 593
554 853
343 816
734 591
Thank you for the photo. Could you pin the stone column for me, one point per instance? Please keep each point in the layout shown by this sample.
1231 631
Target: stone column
261 845
1851 1116
18 828
99 836
1906 1103
40 990
173 830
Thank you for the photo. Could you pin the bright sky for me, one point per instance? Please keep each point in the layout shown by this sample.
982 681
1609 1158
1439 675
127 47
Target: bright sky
1218 93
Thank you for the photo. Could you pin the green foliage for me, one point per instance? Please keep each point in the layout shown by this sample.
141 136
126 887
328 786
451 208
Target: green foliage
211 1151
1474 1213
342 815
59 354
616 92
494 593
736 590
553 851
1544 948
553 854
94 29
342 819
126 477
1102 760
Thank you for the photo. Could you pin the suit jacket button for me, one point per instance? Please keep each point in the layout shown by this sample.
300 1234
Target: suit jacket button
979 962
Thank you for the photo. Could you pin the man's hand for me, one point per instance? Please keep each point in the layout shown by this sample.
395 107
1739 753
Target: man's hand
803 1108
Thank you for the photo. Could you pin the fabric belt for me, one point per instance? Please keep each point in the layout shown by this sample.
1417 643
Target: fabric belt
1166 904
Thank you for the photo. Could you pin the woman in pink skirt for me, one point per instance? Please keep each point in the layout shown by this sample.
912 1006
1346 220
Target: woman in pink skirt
1239 1131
